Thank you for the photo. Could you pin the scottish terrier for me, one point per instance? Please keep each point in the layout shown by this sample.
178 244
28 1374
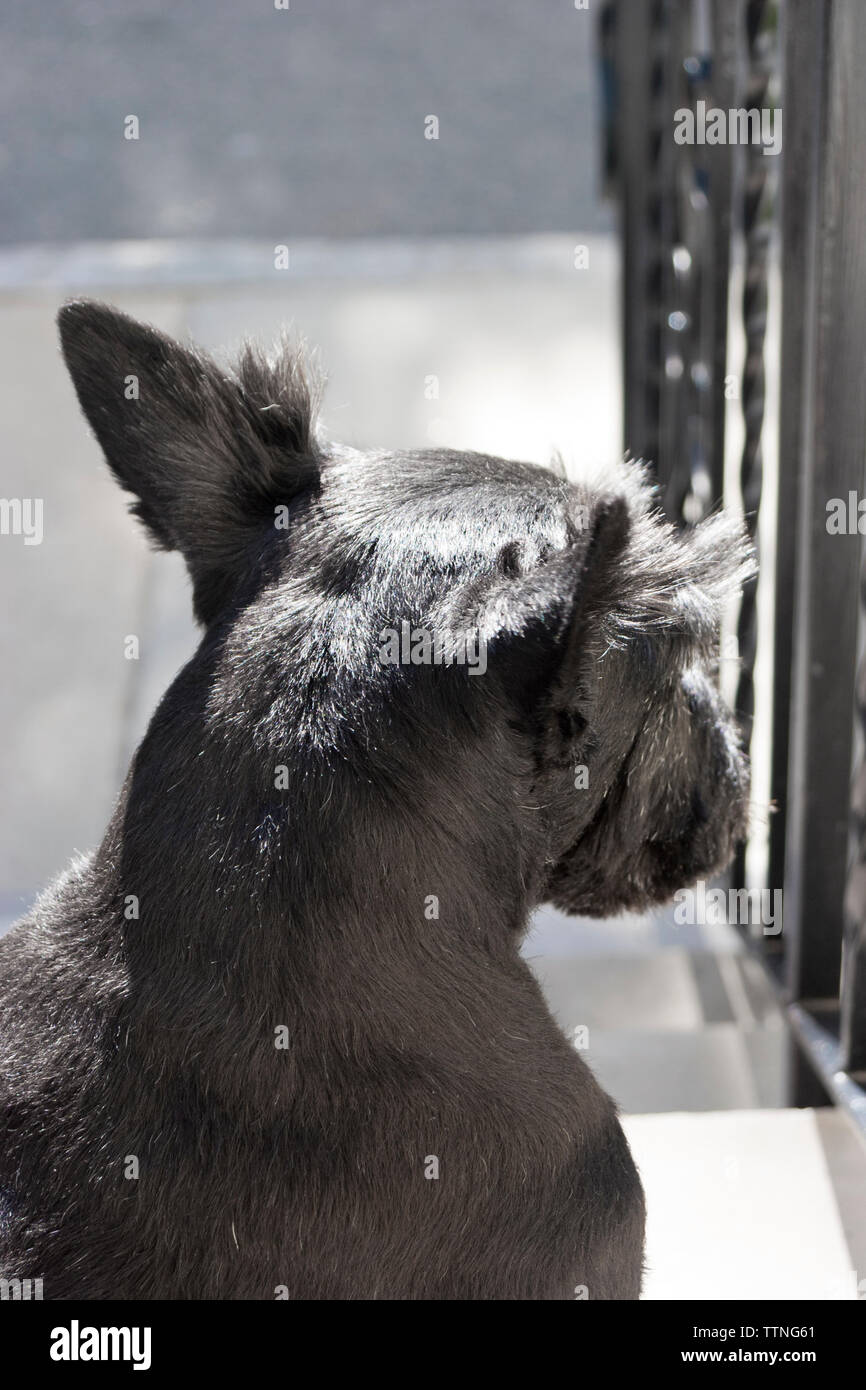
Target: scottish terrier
275 1037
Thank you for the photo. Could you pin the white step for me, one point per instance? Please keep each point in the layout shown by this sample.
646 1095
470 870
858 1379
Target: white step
751 1204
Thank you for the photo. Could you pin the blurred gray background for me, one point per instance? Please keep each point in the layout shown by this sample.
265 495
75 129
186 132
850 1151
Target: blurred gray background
302 122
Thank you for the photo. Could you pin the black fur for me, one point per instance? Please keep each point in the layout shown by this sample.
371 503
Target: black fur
303 1168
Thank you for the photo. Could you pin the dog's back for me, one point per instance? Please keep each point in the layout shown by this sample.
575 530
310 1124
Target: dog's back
426 1132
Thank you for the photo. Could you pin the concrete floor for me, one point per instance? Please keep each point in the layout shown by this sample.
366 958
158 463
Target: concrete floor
751 1205
673 1018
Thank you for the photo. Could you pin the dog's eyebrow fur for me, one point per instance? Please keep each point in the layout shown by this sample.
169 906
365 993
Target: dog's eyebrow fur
671 582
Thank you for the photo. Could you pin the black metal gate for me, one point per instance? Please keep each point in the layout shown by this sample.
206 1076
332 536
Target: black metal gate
719 239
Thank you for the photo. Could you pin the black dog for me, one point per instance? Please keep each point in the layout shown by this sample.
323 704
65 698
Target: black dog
274 1038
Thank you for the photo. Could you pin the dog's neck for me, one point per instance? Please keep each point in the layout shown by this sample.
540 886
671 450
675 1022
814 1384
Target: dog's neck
339 913
225 836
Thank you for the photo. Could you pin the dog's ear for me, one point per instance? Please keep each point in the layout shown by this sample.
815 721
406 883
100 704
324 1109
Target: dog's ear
209 455
535 625
629 580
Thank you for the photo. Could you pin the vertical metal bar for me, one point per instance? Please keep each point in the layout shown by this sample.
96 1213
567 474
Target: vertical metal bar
675 306
632 44
756 229
606 39
853 1002
758 185
695 260
849 128
804 46
826 605
659 224
725 24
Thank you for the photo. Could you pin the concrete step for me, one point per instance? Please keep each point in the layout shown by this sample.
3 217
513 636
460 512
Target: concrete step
669 1018
752 1205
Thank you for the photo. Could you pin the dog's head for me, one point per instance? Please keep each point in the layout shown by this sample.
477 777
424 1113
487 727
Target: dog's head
385 613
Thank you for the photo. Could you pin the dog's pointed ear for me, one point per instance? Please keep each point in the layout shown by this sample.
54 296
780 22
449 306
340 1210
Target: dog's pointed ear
627 581
597 577
535 626
209 455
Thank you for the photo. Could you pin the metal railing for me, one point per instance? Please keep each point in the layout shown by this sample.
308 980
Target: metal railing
698 219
